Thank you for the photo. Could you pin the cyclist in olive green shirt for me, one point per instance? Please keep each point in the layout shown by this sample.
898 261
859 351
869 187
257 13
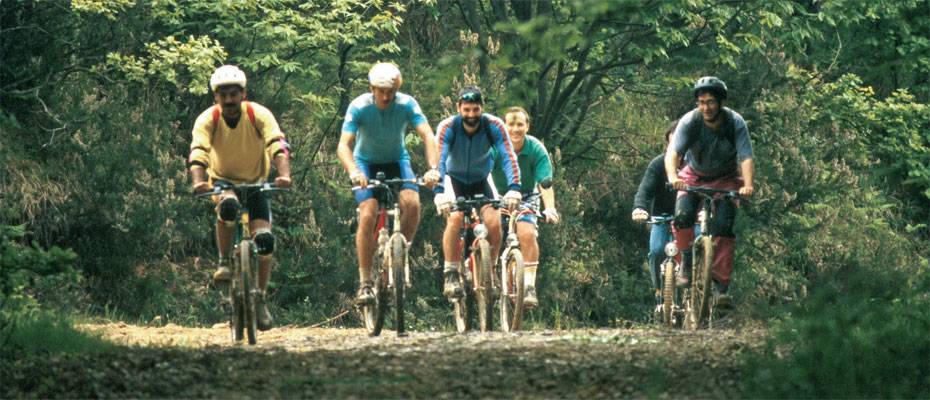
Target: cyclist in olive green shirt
535 168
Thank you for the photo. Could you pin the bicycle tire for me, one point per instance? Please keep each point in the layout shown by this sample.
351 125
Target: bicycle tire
397 267
460 305
483 293
700 282
512 291
248 294
668 293
373 314
236 325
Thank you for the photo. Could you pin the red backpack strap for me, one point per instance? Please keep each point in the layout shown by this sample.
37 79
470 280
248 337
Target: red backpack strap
249 110
216 120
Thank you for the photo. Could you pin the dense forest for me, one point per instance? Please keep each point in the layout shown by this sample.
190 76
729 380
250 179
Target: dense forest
98 99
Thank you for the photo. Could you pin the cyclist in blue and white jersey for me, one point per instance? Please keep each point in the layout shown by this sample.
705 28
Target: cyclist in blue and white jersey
375 124
465 143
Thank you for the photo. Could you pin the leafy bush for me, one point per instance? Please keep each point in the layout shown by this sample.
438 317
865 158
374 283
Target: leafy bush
862 334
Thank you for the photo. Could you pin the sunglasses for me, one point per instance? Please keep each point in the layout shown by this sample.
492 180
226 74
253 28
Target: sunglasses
471 97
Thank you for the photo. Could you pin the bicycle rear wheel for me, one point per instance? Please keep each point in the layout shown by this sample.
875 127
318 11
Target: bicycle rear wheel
701 283
484 288
373 314
248 294
668 292
512 291
397 267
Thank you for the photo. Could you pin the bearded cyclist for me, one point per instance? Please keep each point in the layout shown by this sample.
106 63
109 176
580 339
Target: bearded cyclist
375 124
236 142
465 143
535 167
717 150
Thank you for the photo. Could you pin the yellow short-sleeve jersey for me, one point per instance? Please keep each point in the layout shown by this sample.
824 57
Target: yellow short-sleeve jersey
240 154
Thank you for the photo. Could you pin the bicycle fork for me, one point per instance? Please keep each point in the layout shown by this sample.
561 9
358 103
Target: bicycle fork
387 245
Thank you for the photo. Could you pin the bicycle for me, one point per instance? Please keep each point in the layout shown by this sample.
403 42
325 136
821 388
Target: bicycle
476 272
390 269
243 288
673 297
511 267
698 307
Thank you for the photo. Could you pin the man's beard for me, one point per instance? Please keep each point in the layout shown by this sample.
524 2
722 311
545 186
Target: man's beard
471 122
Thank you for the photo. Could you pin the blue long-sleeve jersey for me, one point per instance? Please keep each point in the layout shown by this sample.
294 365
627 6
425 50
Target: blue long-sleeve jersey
469 158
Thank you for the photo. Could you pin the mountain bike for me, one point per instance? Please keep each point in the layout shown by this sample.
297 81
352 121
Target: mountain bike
511 266
476 272
390 270
673 297
243 287
699 309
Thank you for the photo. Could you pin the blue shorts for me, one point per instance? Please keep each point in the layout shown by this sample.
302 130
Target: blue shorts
400 169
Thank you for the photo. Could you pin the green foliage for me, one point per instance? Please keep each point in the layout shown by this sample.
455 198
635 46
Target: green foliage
861 334
26 328
42 333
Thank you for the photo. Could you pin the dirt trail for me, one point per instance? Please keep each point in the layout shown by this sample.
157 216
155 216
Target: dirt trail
175 361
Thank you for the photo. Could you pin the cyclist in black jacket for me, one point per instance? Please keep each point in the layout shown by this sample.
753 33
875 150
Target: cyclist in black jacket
655 195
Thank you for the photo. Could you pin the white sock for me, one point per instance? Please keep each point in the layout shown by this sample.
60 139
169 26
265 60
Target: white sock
452 265
529 273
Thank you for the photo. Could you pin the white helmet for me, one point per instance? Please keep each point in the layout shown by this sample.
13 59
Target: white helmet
227 75
384 75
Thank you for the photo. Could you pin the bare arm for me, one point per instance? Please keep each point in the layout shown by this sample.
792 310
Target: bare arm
199 179
283 164
429 144
672 160
748 171
548 198
344 152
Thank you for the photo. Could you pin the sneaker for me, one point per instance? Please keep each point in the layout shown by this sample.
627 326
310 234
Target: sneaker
365 295
722 300
658 315
263 319
452 288
529 297
222 274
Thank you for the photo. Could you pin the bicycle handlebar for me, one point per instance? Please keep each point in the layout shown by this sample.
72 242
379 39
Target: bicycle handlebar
262 187
375 183
463 204
660 219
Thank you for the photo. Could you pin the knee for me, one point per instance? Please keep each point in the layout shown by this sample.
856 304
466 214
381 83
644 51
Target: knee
685 212
526 235
454 221
228 209
724 220
264 241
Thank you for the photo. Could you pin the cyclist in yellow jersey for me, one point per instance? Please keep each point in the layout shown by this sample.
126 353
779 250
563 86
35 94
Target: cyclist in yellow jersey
236 142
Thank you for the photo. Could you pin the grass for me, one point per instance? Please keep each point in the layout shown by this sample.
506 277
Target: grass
37 333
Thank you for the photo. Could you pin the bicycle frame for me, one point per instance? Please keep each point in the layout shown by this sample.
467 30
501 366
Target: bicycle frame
703 245
243 289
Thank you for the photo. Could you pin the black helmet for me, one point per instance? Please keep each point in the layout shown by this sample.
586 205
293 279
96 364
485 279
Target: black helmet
713 85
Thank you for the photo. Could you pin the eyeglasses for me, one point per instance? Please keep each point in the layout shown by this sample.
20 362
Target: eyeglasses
471 97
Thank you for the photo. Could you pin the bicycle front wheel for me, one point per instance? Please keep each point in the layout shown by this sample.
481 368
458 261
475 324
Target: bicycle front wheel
512 291
668 292
397 268
701 283
248 295
373 314
460 305
484 288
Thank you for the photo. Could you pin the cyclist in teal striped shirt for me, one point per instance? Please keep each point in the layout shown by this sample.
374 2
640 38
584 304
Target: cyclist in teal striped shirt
535 168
